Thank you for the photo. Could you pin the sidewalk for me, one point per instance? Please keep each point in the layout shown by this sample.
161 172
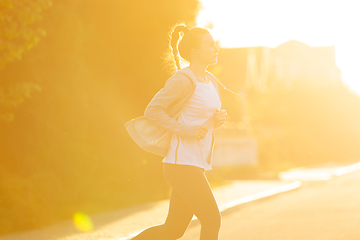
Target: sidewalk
125 223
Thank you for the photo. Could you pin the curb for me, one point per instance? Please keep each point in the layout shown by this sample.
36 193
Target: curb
348 169
260 195
317 174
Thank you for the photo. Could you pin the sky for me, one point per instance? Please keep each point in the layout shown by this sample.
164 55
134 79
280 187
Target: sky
246 23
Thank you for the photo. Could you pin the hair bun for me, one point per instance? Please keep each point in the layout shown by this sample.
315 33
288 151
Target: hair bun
181 28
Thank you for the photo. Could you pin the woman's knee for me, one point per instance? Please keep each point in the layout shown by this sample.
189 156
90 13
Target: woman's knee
217 221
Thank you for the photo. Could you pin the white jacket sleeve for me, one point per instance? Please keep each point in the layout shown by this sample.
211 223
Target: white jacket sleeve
173 92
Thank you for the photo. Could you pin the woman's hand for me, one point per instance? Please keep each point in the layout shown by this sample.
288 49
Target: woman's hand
220 118
200 132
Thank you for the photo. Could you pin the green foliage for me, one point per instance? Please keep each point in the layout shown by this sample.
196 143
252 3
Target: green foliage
18 33
15 95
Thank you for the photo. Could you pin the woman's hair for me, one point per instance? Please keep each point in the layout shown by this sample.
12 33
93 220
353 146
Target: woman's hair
183 40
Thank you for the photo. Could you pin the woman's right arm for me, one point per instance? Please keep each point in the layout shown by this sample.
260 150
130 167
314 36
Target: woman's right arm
172 92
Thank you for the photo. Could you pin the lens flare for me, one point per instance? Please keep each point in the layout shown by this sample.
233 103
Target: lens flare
83 222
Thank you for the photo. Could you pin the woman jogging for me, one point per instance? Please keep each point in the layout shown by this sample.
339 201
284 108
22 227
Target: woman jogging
188 107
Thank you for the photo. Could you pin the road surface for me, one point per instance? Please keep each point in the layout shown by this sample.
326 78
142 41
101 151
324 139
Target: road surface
322 210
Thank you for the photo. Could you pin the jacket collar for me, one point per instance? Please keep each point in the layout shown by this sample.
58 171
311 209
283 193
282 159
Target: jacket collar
187 72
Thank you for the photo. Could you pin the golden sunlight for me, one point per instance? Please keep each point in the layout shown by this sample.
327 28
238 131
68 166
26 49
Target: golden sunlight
240 23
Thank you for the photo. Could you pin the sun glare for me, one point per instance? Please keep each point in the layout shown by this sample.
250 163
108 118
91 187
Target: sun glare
240 23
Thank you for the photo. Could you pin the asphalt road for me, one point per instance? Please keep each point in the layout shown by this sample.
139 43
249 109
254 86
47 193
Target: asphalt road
323 210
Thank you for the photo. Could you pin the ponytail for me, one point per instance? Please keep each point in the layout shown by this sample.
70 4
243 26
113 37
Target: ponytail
174 41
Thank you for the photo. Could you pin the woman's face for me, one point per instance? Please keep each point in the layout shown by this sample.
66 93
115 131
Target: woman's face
207 53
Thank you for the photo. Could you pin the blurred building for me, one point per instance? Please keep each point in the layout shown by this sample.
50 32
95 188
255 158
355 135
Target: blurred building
296 63
291 64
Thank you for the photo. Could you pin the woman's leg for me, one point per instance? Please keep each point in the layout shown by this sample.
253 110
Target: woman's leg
191 194
192 186
176 223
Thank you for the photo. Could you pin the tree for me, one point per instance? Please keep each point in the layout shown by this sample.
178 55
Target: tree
19 32
68 150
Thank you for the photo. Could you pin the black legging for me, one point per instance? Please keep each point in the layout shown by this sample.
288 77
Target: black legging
191 194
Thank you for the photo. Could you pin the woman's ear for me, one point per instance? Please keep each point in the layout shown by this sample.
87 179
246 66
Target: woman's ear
195 52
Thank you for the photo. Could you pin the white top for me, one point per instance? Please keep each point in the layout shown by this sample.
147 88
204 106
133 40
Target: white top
200 109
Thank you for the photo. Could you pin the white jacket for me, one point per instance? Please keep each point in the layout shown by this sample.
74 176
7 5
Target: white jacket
152 132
